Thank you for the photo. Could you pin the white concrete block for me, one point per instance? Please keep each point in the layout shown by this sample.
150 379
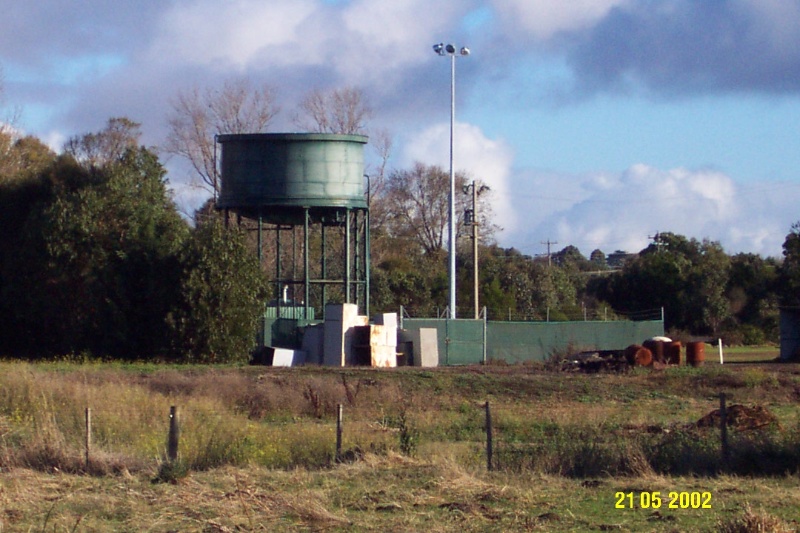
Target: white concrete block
286 357
384 357
341 312
428 348
385 319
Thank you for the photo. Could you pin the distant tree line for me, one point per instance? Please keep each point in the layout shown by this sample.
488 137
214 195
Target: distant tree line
95 258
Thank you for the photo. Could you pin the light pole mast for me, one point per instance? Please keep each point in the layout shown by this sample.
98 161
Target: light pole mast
450 50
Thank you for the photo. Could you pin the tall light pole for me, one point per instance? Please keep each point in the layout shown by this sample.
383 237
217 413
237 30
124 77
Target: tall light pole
450 50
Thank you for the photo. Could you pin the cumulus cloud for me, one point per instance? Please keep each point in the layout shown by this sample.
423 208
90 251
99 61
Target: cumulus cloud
545 18
621 212
75 64
684 46
236 33
479 157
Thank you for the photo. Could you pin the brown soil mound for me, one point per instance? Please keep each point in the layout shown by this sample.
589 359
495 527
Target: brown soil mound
740 417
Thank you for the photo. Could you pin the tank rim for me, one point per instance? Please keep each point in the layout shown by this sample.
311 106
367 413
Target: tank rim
363 139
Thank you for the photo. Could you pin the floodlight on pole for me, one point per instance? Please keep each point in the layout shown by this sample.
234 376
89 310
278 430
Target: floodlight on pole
451 50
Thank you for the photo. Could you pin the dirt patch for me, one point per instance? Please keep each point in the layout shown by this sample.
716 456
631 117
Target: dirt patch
740 417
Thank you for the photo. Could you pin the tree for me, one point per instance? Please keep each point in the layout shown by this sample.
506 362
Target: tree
685 277
98 248
8 132
222 293
790 269
24 158
106 146
198 116
598 260
343 111
417 202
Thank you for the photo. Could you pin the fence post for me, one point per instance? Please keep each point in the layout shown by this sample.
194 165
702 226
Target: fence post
339 418
723 422
174 434
489 450
485 320
88 435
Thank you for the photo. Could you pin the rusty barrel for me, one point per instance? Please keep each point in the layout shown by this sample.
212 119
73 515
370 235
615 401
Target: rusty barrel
672 352
637 355
695 353
656 348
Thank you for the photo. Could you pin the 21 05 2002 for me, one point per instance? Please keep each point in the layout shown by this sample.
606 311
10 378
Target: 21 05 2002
655 500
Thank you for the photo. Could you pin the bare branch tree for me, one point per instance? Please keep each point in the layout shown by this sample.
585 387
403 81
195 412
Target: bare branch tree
198 116
381 142
342 111
106 146
417 204
8 131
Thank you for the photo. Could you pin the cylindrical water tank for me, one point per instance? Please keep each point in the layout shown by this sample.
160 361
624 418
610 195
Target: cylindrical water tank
261 170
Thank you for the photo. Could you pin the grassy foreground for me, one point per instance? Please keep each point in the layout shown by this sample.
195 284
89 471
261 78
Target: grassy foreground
387 493
257 448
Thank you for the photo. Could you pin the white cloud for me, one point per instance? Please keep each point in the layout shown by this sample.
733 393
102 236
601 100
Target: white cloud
476 155
630 207
204 32
55 140
381 37
363 41
544 18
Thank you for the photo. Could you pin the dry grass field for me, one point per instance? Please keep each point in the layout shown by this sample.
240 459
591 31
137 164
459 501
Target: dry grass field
572 451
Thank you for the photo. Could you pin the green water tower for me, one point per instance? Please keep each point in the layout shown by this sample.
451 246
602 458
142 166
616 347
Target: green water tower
309 191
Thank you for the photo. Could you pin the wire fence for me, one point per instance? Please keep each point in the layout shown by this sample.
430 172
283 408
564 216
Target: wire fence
495 437
540 314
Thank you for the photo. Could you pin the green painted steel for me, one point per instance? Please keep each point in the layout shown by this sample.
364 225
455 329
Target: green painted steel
275 172
516 342
282 332
461 341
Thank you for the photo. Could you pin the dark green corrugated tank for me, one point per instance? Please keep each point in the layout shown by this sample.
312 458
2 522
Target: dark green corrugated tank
262 170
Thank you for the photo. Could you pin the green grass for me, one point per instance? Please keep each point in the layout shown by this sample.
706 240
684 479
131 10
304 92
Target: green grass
257 448
388 493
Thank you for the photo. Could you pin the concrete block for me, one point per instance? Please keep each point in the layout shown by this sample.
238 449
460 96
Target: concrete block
384 357
344 313
333 350
390 334
385 319
424 346
286 357
428 347
312 345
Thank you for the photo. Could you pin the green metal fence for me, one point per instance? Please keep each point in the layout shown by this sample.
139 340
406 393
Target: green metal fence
461 342
469 341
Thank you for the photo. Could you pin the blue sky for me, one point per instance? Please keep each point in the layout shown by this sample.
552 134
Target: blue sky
597 123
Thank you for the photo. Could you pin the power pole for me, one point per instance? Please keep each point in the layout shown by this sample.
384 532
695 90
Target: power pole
549 243
656 241
471 218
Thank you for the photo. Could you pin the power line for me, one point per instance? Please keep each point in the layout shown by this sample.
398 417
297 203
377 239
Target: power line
548 242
